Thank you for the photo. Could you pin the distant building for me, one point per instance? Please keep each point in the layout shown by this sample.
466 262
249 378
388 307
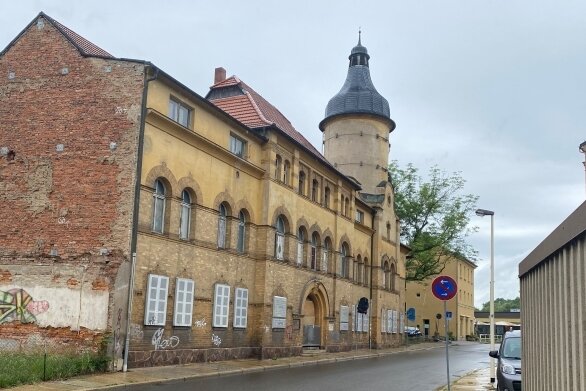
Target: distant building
503 321
227 231
427 306
553 299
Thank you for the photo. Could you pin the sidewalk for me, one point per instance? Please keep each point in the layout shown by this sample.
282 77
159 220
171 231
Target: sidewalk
476 380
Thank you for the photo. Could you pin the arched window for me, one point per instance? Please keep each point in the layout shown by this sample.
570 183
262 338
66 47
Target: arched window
347 207
314 244
159 206
358 269
386 279
280 239
222 227
300 242
392 277
344 255
301 183
185 218
241 231
327 197
366 272
389 231
314 190
278 166
325 256
342 205
286 172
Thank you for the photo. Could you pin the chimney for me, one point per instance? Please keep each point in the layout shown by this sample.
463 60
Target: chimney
219 75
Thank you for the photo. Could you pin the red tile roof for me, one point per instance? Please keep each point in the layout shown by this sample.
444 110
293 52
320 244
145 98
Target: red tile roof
83 45
254 111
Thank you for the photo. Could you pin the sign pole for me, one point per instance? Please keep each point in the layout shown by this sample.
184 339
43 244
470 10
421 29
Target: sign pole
447 342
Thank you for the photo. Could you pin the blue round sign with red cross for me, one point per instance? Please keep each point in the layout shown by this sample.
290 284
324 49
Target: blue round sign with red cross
444 287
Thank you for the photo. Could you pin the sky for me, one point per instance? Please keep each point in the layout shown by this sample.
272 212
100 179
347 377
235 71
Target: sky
492 89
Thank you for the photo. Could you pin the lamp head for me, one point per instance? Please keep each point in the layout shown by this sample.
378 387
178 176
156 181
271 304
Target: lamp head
484 212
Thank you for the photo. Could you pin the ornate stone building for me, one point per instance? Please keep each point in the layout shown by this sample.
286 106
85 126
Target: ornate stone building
191 228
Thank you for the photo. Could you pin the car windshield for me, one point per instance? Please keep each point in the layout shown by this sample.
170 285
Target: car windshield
512 348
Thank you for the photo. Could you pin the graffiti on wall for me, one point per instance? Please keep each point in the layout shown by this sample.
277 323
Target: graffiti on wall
161 343
216 340
201 323
17 304
136 331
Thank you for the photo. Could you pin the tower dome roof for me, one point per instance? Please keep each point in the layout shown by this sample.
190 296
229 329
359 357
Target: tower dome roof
358 94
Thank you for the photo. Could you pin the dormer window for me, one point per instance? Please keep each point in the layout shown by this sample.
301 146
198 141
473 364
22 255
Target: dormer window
180 112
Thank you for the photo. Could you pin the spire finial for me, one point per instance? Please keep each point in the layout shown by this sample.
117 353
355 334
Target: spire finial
359 34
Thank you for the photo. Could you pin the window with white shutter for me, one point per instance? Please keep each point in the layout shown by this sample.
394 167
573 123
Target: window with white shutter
344 318
221 305
395 322
156 300
353 317
383 321
240 307
389 321
183 302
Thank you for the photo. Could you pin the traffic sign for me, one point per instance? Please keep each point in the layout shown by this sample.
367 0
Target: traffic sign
444 287
411 314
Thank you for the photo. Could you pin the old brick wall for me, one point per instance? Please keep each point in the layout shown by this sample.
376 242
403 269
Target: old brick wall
68 134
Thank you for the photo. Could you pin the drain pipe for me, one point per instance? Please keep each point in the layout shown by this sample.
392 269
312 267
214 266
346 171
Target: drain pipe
371 269
134 234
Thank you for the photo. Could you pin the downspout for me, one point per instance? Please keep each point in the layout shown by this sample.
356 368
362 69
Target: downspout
371 270
134 233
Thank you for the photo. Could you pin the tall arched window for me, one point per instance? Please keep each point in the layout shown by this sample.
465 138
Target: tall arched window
185 218
314 190
278 167
386 279
389 231
347 207
325 256
344 255
300 241
392 273
301 183
327 197
241 231
358 269
286 172
159 206
280 239
222 227
366 272
314 243
342 205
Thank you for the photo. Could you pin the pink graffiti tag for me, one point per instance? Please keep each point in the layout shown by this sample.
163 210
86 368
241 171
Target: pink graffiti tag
17 304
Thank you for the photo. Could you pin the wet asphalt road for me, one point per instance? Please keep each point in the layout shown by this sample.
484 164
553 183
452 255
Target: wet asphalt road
408 371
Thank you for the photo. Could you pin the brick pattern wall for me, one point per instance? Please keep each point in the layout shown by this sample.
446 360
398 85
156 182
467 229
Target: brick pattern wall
68 135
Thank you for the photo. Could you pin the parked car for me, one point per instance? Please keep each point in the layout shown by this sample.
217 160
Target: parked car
412 331
508 370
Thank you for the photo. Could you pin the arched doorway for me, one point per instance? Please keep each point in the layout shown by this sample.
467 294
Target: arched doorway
313 315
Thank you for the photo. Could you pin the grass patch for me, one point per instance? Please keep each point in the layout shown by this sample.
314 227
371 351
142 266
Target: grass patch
23 368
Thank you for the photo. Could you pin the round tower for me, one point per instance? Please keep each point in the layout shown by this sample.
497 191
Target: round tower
357 125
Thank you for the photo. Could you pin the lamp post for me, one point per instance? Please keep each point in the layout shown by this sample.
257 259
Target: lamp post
583 150
482 213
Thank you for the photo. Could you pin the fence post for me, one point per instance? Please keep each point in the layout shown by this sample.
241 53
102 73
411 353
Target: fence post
45 367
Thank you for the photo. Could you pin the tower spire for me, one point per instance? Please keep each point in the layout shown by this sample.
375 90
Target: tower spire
359 34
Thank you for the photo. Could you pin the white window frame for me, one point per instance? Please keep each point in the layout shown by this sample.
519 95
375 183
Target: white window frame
183 313
240 308
344 315
221 305
383 321
237 146
389 321
176 109
155 310
159 199
185 217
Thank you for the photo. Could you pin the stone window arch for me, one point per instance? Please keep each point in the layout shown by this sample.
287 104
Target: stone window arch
392 276
325 261
314 251
327 194
386 277
358 265
241 243
344 261
315 190
347 207
223 213
281 227
286 172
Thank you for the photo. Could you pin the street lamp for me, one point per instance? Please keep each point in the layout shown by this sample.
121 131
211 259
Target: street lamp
583 150
482 213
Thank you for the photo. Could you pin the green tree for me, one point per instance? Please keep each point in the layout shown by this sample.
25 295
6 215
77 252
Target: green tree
434 217
503 305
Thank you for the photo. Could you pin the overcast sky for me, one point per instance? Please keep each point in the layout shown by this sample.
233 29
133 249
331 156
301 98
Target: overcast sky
494 89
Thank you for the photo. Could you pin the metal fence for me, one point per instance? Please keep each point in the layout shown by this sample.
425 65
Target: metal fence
37 359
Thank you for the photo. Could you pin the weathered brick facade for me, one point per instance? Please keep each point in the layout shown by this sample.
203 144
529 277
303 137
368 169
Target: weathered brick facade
68 140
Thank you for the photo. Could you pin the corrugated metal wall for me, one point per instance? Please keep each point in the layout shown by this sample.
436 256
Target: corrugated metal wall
553 318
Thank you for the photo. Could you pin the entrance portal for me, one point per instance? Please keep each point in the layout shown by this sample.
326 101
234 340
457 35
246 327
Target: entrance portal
312 321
